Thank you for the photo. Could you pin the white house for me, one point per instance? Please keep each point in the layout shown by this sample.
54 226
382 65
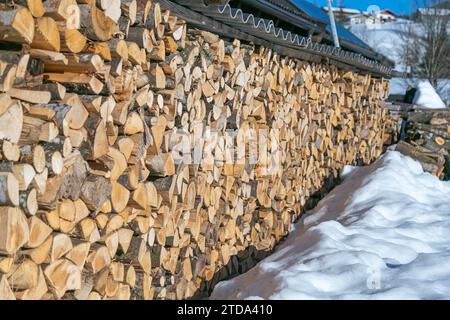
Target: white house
386 16
355 16
375 17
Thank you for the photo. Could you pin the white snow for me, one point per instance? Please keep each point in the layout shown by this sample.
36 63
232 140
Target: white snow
400 85
384 38
384 233
427 97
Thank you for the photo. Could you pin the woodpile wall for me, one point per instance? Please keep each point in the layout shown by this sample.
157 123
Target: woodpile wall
105 107
425 137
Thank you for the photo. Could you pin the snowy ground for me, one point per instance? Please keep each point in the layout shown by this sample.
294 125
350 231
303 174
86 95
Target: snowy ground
384 38
384 233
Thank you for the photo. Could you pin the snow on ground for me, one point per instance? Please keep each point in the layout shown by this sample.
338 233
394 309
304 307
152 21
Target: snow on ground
384 233
427 97
400 85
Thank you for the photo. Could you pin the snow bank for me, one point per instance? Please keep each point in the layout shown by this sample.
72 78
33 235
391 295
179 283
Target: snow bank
400 85
427 97
384 233
384 38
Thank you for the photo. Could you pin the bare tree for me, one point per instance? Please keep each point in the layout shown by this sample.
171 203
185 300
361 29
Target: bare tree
426 43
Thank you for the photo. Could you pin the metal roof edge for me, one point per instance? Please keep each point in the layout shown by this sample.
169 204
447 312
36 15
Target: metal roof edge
263 32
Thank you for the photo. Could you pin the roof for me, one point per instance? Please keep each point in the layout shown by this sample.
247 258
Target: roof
343 10
346 35
387 11
285 24
303 17
349 39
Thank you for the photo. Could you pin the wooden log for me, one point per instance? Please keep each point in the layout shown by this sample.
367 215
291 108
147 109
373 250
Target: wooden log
72 40
112 8
16 25
129 10
28 201
11 122
6 292
63 275
76 82
63 10
97 145
9 189
46 35
32 96
39 232
5 102
9 151
95 191
7 77
97 25
37 292
35 6
25 276
161 164
82 63
15 231
119 197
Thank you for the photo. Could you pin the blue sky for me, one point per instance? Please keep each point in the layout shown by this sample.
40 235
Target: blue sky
398 6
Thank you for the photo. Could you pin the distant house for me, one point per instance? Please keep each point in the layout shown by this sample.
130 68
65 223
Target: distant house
360 18
355 16
386 16
343 15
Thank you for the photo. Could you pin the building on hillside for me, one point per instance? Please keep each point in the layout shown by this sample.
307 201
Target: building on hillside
361 18
386 15
354 16
343 15
378 17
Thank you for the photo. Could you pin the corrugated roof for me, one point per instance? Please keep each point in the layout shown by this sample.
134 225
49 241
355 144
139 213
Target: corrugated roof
266 29
311 10
318 13
345 34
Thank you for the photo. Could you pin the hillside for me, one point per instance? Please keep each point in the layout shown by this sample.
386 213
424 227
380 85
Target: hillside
386 38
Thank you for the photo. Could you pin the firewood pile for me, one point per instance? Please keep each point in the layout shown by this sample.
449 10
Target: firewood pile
142 159
426 138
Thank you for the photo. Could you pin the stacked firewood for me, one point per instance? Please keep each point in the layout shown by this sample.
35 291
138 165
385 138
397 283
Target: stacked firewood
126 169
425 137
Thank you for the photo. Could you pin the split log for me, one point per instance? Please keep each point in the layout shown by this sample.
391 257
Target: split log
16 25
15 231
